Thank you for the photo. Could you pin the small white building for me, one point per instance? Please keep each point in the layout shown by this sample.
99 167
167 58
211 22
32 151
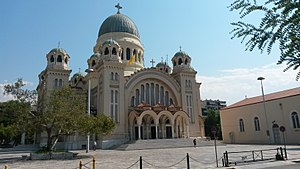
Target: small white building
248 122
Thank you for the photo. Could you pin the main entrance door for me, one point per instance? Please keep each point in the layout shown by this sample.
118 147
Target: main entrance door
169 131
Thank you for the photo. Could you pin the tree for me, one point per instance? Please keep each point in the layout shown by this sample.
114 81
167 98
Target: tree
213 120
280 23
60 112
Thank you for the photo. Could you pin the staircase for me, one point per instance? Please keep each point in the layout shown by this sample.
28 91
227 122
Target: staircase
164 143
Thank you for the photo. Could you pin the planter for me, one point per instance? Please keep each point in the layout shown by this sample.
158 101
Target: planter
52 155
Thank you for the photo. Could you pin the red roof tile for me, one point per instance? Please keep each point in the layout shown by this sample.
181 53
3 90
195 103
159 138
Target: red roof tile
268 97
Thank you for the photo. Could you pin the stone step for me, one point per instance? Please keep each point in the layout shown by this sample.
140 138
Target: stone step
164 143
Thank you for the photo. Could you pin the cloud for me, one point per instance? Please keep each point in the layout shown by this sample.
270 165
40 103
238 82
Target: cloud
234 85
4 98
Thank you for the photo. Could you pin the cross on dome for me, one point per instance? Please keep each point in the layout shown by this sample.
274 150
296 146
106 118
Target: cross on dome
118 7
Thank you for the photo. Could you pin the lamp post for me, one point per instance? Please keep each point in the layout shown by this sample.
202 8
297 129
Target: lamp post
89 108
265 110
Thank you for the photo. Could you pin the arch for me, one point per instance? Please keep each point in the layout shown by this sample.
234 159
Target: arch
182 114
122 53
295 120
179 61
52 58
241 124
93 63
165 113
128 53
256 124
134 53
59 58
147 112
186 61
106 51
114 51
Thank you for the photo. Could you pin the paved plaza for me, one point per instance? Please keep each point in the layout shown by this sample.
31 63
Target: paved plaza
201 157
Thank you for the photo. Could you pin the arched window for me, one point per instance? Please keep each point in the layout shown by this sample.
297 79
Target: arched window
112 76
295 120
174 63
59 58
241 123
167 98
116 76
147 93
142 93
128 54
152 94
60 82
56 82
51 58
139 57
179 61
132 101
106 51
162 95
186 61
157 93
114 51
137 96
256 124
93 63
66 60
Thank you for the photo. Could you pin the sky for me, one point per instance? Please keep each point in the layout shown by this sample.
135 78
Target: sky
30 29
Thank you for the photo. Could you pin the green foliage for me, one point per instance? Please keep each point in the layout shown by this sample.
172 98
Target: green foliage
23 95
11 120
280 23
213 120
100 124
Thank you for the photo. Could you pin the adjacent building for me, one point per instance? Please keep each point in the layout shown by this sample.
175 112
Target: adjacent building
145 103
248 122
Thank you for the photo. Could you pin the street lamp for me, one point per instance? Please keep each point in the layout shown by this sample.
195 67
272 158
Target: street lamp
89 108
265 111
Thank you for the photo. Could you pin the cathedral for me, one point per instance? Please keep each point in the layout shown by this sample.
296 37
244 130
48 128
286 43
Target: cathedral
159 102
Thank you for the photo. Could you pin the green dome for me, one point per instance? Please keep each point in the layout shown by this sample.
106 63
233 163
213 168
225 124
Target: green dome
181 53
61 50
118 23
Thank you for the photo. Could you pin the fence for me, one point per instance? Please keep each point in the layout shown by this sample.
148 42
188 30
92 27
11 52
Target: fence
253 156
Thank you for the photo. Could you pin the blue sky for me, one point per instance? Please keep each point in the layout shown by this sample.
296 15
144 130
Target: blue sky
30 29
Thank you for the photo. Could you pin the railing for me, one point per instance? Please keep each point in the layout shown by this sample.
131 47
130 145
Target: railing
253 156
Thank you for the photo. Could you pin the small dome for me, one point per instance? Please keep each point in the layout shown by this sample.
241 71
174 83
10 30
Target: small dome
181 53
118 23
160 64
96 55
56 50
79 74
110 42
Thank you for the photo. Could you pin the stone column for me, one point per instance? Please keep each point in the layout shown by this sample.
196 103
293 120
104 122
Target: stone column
156 131
173 131
23 138
139 132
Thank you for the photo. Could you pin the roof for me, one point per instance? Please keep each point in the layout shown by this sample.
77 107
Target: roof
268 97
118 23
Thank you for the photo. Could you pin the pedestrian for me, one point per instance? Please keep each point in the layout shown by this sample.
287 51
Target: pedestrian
194 141
95 145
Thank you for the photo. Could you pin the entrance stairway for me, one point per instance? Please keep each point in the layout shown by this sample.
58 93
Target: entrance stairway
165 143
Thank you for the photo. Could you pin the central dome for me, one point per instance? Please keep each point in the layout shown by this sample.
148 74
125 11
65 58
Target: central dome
118 23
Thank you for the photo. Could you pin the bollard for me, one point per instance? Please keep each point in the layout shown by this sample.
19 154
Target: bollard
94 163
187 161
6 167
80 164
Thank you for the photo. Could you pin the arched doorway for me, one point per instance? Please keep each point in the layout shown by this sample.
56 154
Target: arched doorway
276 133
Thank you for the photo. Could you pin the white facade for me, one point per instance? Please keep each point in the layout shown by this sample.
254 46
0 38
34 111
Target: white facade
247 121
145 103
